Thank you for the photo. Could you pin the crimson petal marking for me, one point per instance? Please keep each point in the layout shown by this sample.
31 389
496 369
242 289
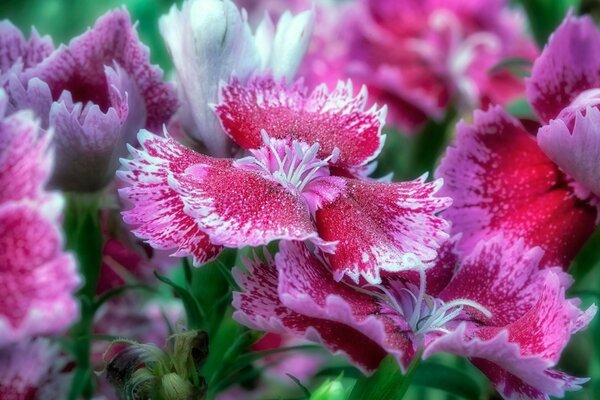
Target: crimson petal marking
38 279
332 119
307 287
24 158
259 307
502 276
79 68
569 64
237 207
158 211
378 224
518 358
501 182
575 152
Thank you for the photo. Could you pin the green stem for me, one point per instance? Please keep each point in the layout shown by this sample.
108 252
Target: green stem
407 377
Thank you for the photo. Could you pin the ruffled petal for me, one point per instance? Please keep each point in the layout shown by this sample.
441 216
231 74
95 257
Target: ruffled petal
575 152
307 287
332 119
502 276
501 182
17 53
382 227
258 306
569 64
158 211
238 207
79 68
518 358
24 158
33 370
38 280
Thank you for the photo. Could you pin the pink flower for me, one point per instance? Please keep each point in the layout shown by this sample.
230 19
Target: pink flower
419 56
37 277
545 190
31 370
95 93
19 54
497 308
298 183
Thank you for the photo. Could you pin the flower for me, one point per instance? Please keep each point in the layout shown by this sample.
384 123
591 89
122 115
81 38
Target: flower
19 54
32 369
95 93
299 183
496 307
37 277
419 56
543 189
211 41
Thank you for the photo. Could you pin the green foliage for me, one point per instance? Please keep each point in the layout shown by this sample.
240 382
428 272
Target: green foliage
545 15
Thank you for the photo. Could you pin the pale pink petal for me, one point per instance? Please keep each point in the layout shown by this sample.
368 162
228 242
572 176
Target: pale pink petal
307 287
158 211
16 51
238 207
575 151
501 182
378 226
258 306
32 370
334 119
38 279
79 68
569 65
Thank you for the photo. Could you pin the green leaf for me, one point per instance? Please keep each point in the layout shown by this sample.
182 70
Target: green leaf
545 15
194 313
300 385
587 260
519 67
521 109
386 383
347 371
448 379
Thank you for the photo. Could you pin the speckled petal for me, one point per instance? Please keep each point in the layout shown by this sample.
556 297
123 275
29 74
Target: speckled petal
258 306
501 182
382 227
307 287
17 53
569 64
158 211
237 207
333 119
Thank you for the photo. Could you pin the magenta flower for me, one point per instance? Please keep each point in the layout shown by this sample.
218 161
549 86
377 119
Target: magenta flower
37 278
95 93
300 182
19 54
418 56
498 309
32 370
546 192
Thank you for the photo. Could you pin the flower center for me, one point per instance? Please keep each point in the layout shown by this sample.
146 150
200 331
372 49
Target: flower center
293 165
422 312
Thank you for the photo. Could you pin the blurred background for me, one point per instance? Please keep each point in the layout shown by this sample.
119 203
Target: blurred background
406 157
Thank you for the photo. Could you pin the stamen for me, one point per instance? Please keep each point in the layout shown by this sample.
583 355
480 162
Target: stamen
293 166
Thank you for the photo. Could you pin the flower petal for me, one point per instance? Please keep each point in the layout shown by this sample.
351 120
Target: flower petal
38 280
377 225
79 68
569 64
501 182
307 287
24 158
332 119
157 209
18 54
258 306
238 207
518 358
575 152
